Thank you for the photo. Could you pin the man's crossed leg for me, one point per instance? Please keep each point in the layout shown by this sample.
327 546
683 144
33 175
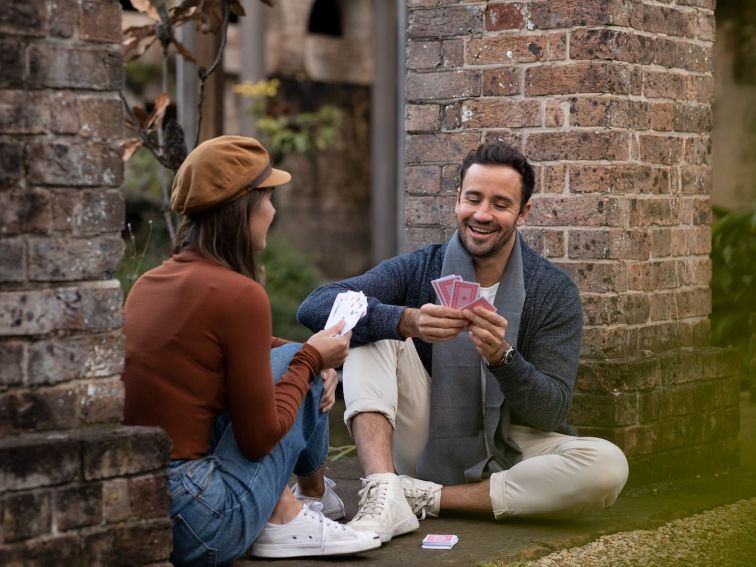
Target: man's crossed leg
387 394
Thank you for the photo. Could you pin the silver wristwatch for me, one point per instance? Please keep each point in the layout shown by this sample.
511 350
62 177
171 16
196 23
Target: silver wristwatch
506 358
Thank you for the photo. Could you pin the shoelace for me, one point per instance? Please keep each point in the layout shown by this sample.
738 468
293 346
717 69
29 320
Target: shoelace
315 509
420 499
372 497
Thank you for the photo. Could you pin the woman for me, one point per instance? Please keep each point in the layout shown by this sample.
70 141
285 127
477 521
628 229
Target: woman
243 409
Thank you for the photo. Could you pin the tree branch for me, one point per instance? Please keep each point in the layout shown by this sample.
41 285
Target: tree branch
204 74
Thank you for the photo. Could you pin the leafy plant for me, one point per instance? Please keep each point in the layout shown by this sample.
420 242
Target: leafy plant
733 282
290 275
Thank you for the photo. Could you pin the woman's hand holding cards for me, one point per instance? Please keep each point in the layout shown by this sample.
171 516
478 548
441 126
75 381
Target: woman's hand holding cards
332 346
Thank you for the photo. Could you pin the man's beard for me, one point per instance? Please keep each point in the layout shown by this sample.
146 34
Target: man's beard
495 247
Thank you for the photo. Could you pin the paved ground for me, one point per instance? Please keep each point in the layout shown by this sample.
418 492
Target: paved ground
482 539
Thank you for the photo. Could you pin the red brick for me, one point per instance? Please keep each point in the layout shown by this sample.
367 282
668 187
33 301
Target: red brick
720 362
130 544
451 116
609 113
692 302
78 506
15 117
692 118
599 145
24 17
13 260
700 88
442 85
661 149
504 17
35 460
663 336
550 178
100 401
511 137
100 21
618 179
682 431
697 240
653 211
616 45
63 163
421 117
63 17
608 244
664 84
696 211
670 21
25 515
430 210
662 116
11 162
100 118
597 277
87 212
607 342
115 500
42 409
61 259
725 391
554 113
482 113
708 4
66 358
653 275
422 179
582 77
548 243
519 48
613 309
501 81
577 210
96 68
568 13
423 54
118 451
453 53
56 550
603 410
12 360
662 306
675 53
455 20
12 62
695 180
625 375
450 178
418 237
697 151
440 148
695 271
149 496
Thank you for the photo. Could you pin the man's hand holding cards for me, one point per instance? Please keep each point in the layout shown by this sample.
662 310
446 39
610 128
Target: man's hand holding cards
454 292
351 306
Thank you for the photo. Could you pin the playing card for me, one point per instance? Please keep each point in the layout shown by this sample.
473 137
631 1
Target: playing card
350 306
480 302
463 293
443 287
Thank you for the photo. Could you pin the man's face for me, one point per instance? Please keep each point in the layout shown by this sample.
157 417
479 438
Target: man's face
488 209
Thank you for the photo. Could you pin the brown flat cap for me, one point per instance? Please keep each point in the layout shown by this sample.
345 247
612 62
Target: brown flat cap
221 170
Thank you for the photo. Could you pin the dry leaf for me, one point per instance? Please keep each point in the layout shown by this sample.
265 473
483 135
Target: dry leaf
129 148
156 116
146 7
185 53
142 115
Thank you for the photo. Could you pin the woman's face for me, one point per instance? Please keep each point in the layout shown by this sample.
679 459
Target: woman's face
259 221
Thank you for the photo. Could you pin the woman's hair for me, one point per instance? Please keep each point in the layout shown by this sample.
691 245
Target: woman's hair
223 234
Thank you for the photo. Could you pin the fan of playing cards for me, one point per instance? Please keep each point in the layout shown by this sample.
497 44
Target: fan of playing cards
453 291
350 306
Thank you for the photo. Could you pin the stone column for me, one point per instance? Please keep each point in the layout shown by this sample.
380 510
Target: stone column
76 488
611 99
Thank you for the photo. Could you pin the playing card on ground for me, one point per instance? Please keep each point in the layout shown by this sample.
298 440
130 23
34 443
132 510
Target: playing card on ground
351 306
443 287
463 293
439 541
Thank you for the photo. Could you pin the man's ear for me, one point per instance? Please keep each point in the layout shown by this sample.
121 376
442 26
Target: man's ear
524 214
459 193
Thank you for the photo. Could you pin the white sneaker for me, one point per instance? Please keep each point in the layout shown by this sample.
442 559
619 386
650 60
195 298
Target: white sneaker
424 496
333 507
310 533
383 508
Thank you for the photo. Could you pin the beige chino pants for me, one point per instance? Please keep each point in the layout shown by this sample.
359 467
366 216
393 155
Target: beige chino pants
559 475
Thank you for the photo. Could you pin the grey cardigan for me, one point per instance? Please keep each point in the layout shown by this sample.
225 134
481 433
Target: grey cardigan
539 381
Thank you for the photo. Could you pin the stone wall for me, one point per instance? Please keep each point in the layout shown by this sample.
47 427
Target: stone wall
76 488
611 99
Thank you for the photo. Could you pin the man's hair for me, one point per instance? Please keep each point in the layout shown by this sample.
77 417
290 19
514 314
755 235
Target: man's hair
499 153
223 234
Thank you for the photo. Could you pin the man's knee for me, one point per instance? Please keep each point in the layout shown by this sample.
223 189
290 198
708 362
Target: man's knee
608 474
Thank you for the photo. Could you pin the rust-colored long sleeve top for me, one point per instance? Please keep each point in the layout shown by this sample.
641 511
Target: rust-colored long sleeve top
198 340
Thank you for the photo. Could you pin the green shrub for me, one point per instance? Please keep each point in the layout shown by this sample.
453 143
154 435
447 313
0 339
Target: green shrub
733 281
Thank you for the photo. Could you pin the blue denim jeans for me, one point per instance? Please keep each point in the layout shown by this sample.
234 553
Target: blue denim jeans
220 502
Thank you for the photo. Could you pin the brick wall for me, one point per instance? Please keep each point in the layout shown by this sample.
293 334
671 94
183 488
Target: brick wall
611 99
75 486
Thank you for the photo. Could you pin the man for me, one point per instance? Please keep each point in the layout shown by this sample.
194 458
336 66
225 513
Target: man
489 431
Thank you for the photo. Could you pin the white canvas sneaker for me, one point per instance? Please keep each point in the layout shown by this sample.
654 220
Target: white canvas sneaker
424 496
383 508
310 533
333 507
